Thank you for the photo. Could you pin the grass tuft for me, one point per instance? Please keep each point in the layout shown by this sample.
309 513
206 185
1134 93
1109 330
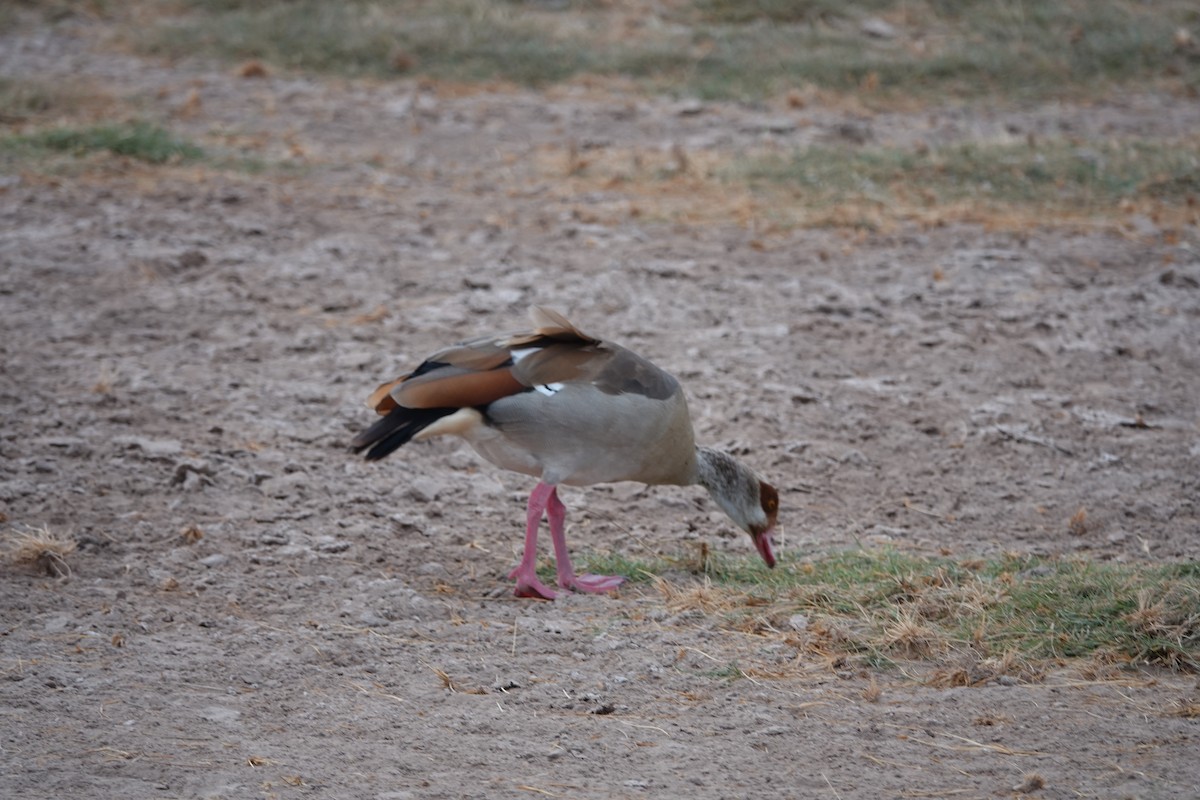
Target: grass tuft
42 549
977 619
138 140
67 146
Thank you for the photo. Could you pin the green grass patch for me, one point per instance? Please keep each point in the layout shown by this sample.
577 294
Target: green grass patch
741 12
1052 174
709 48
468 41
885 605
966 49
139 140
67 148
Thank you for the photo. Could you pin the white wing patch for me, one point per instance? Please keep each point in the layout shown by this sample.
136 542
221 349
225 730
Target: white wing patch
520 352
548 389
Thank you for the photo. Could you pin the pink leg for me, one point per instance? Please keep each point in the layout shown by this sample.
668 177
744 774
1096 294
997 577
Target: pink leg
528 584
567 578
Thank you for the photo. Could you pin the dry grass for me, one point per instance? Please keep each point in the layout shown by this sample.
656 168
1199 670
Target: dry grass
1162 619
37 101
1031 783
968 667
40 549
190 534
702 597
1188 709
450 685
106 380
905 633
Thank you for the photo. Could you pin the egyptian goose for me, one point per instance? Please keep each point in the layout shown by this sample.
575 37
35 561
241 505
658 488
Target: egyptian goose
565 407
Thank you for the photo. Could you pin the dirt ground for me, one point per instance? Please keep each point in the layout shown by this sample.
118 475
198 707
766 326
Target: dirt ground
189 348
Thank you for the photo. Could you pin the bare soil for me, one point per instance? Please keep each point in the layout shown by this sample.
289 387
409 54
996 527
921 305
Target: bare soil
253 612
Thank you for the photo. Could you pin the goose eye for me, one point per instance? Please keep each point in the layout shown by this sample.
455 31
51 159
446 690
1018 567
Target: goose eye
768 498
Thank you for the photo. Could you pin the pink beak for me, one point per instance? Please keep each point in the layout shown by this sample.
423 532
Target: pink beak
762 541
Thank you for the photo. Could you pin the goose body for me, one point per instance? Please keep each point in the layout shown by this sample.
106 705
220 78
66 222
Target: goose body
566 408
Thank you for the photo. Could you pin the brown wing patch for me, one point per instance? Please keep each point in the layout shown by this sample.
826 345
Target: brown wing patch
480 371
554 325
478 355
452 388
381 399
610 368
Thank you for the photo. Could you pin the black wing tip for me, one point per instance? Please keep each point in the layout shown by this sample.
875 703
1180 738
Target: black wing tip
395 430
372 450
382 449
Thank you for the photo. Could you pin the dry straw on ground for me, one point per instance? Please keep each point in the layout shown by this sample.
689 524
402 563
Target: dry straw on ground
42 549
